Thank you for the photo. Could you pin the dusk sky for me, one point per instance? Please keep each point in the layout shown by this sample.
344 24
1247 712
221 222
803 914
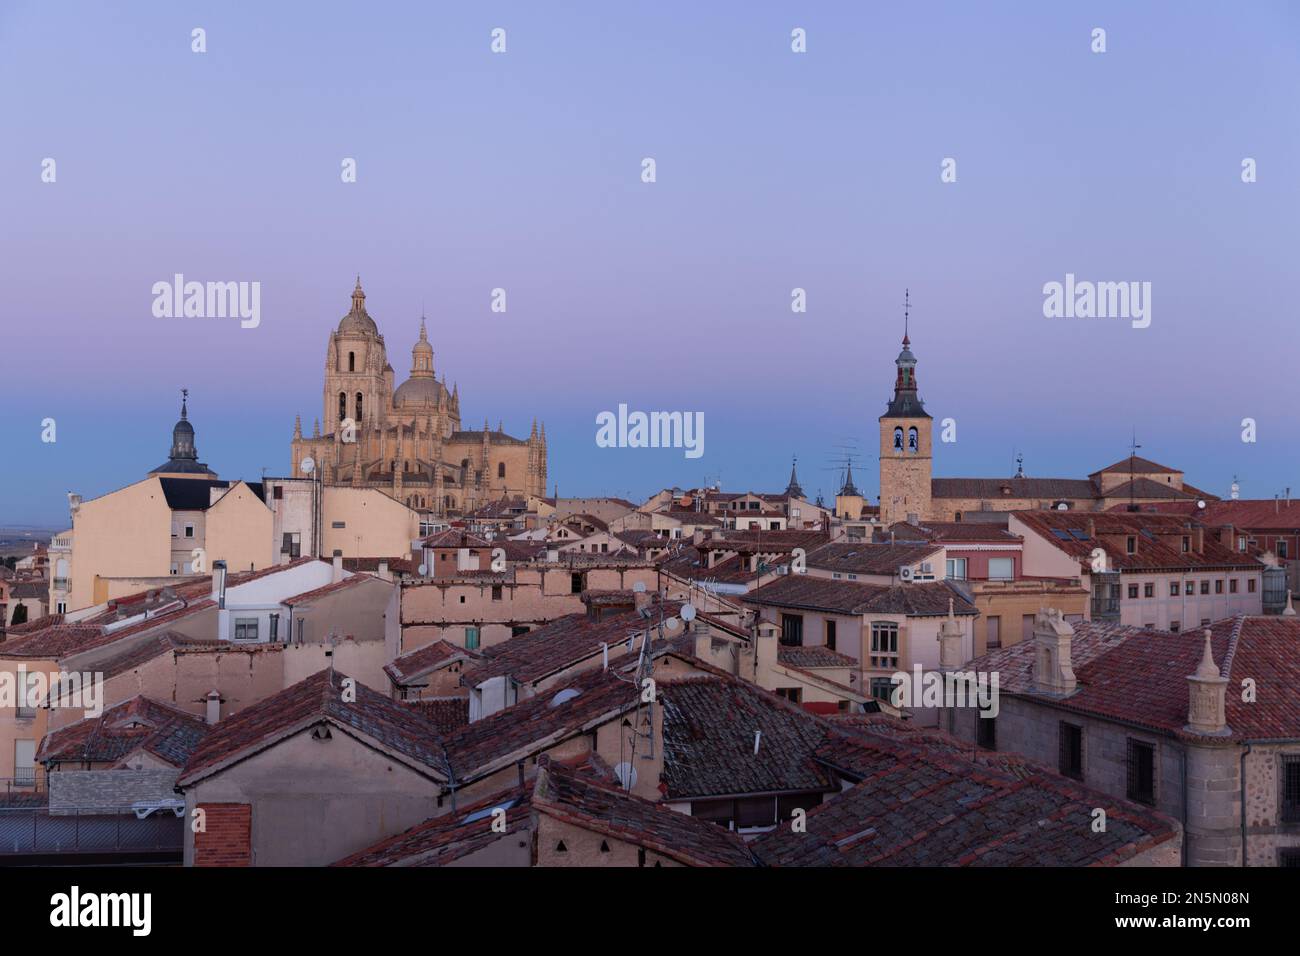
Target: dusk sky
775 170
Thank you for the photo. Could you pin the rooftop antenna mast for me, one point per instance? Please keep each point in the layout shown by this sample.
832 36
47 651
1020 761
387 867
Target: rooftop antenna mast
1132 459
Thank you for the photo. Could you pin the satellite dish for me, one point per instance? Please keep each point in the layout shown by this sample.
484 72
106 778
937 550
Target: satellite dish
563 696
424 569
308 465
626 774
1200 504
672 624
1063 506
688 612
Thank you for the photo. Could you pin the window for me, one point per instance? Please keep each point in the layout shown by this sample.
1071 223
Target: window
471 638
576 584
278 493
496 592
1131 546
1187 544
501 469
1205 587
1281 548
884 644
1141 772
359 399
343 405
1250 585
957 569
1071 750
911 439
352 361
1002 569
1175 626
246 628
994 632
1218 586
1290 788
1148 590
291 544
189 531
986 732
792 694
1173 589
25 763
882 688
1189 587
301 628
275 628
898 439
830 635
1232 585
338 524
792 630
1132 590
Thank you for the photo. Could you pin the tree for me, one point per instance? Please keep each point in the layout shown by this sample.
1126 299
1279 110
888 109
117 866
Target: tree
20 615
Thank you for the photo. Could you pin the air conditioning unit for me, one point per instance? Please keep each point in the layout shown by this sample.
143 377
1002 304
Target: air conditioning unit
905 574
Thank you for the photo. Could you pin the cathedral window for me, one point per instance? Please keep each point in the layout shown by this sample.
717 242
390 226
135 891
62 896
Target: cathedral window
501 469
359 398
343 405
352 361
911 439
898 439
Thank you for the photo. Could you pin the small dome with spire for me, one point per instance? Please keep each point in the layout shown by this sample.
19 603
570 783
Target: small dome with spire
184 456
422 388
358 320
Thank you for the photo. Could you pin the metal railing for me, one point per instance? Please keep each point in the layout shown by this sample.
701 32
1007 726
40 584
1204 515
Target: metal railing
34 830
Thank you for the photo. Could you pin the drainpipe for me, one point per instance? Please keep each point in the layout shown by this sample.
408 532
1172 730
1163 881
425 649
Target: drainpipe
1242 776
1182 814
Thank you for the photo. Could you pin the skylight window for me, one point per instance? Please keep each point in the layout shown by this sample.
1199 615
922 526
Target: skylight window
488 811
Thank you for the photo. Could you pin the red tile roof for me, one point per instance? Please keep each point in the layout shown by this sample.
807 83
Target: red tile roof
862 557
1140 676
411 666
813 656
920 599
140 723
388 725
351 581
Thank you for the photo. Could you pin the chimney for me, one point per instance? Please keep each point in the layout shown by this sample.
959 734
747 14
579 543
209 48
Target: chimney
1200 539
1053 669
950 656
219 583
642 599
337 573
1092 528
552 554
383 571
213 701
1206 697
913 519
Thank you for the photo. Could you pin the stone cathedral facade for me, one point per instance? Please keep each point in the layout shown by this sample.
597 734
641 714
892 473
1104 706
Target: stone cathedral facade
409 440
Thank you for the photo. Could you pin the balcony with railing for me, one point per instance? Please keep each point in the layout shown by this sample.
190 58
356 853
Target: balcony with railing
1105 596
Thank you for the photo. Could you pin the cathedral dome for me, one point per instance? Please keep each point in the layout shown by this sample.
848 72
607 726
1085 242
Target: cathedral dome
418 391
358 320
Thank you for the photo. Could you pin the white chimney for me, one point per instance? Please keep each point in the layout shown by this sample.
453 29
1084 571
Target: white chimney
337 574
214 707
383 571
219 583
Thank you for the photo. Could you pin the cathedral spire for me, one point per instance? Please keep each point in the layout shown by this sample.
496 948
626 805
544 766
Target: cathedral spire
849 488
792 490
358 297
906 402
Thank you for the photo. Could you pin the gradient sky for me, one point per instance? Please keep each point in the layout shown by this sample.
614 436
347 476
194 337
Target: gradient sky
775 170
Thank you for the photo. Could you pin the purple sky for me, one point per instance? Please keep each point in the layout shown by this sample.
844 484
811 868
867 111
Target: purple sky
775 170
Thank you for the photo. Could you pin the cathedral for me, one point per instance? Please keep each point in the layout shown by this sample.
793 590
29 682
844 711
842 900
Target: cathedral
408 441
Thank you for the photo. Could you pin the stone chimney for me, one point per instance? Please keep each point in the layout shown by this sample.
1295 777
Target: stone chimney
1053 669
213 701
1206 692
337 573
950 656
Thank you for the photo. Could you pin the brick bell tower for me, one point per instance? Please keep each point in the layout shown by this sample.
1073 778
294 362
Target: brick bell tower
905 432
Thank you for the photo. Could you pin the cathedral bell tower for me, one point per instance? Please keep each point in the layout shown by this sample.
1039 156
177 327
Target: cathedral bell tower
905 432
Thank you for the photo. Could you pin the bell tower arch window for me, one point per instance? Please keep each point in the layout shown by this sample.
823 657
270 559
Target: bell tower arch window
352 361
912 439
898 439
360 399
343 405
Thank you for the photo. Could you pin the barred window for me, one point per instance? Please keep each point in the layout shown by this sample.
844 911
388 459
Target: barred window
1141 772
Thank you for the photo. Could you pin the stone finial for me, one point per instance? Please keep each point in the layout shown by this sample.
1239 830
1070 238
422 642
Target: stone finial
950 635
1207 696
1290 611
1053 668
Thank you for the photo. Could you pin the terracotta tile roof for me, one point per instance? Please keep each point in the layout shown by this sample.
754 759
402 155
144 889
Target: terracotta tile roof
920 805
539 722
763 542
455 538
813 656
572 797
562 643
1158 538
692 517
1140 676
921 599
411 666
29 589
403 565
1253 514
1136 465
389 726
946 531
709 725
1147 488
447 714
142 652
63 640
457 834
160 728
862 557
306 597
994 488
